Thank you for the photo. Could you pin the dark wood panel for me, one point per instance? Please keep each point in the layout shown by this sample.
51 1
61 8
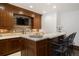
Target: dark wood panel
30 48
33 48
9 46
14 9
42 47
37 22
27 46
6 20
3 47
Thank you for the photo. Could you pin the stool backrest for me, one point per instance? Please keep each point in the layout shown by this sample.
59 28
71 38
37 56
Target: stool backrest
69 39
72 36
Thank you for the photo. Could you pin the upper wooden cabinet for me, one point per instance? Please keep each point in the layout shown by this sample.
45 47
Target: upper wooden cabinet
14 9
6 20
37 22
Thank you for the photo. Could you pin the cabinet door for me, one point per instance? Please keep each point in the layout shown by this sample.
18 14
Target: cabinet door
50 50
24 47
14 43
9 46
37 22
3 47
24 52
31 47
42 48
6 20
42 51
30 51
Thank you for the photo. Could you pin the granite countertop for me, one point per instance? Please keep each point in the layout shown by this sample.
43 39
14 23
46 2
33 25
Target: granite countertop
10 35
16 35
45 36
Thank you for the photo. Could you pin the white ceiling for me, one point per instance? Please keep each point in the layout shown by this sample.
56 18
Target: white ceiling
48 7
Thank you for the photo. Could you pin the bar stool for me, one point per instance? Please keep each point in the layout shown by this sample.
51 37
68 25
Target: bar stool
64 48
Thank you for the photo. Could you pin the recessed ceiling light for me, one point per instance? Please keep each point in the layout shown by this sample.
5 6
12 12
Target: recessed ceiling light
54 6
31 6
33 15
20 12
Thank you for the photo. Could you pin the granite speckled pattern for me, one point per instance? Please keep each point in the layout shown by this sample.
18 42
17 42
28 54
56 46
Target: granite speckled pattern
15 35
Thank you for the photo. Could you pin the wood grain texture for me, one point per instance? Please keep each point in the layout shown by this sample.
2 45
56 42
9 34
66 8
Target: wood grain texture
27 47
6 20
14 9
9 46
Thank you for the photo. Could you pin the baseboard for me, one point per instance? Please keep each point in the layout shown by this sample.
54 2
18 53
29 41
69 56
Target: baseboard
76 47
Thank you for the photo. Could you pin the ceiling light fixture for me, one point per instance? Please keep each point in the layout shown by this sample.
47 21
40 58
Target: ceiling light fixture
33 15
54 6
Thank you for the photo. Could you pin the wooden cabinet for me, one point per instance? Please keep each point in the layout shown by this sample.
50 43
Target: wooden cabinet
14 43
9 46
15 10
30 51
30 48
37 21
6 20
42 47
34 48
3 47
50 47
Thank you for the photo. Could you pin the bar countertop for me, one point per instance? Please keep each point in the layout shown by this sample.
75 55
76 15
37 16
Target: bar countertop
27 36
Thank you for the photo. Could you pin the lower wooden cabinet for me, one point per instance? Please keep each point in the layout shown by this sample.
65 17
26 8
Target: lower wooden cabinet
42 51
39 48
42 47
3 47
35 48
30 52
9 46
27 47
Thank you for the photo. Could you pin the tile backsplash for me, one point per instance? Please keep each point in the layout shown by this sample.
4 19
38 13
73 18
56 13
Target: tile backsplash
21 29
